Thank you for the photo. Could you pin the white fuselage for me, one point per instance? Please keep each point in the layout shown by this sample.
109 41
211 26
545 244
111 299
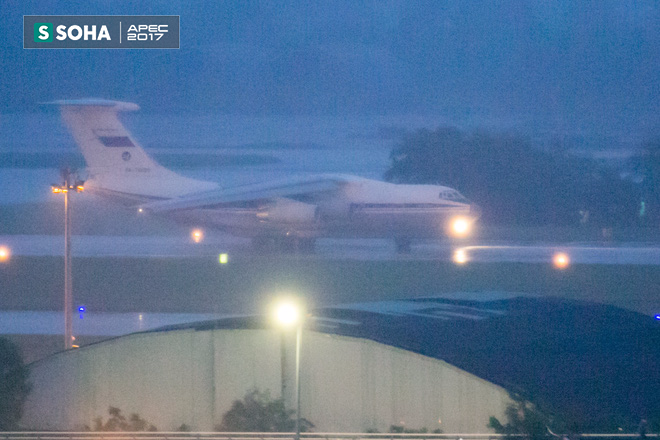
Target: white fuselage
362 208
303 207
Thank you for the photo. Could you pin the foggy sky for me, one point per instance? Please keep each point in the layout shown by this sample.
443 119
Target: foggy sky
571 65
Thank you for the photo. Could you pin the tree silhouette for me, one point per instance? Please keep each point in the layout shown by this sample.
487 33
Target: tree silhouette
513 182
14 386
258 412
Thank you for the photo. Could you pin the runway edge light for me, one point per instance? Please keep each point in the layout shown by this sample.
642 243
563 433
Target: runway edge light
561 260
223 258
460 256
4 254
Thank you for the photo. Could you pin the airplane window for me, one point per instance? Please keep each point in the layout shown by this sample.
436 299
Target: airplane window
452 195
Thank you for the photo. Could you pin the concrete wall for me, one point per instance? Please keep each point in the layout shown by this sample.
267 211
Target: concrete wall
192 377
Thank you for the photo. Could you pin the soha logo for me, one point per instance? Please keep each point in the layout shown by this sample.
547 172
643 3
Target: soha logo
100 31
43 32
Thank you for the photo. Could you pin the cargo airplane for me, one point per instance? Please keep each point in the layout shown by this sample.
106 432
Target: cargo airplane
289 213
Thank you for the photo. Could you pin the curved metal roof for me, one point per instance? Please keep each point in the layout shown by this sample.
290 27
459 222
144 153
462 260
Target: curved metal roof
592 362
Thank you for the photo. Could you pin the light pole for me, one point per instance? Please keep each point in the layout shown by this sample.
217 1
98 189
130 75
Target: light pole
288 314
70 183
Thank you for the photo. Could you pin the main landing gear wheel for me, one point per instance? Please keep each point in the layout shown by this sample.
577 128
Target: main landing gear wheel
290 245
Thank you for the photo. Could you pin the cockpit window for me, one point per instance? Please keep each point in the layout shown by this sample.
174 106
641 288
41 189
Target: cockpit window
453 195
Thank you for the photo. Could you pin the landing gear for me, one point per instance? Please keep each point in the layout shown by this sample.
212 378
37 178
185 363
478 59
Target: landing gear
402 245
286 244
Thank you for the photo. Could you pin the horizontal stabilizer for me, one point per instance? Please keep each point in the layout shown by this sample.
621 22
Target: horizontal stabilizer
97 102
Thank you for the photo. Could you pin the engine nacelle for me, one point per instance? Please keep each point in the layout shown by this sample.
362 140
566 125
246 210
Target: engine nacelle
288 211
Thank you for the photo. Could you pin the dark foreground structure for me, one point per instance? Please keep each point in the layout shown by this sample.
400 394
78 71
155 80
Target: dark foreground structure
445 362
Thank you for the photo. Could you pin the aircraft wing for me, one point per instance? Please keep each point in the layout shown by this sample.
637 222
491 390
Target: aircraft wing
308 185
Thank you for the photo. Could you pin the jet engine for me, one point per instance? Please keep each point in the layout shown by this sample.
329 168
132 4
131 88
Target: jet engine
288 211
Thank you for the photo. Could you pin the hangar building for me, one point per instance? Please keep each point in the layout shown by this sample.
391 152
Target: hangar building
434 363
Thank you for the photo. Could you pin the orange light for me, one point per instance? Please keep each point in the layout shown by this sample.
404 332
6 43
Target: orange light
561 260
80 188
4 254
460 256
56 190
197 235
460 226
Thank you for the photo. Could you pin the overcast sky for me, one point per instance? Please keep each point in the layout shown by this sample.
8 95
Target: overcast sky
591 65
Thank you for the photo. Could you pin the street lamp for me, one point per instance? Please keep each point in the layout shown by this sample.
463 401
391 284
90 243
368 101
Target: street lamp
287 315
70 184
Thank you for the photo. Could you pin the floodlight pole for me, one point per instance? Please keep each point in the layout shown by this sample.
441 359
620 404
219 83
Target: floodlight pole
68 288
298 345
71 183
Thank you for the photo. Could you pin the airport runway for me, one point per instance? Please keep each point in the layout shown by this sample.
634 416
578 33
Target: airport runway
363 249
133 283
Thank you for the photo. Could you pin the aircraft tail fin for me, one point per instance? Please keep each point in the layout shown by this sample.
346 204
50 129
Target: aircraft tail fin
115 160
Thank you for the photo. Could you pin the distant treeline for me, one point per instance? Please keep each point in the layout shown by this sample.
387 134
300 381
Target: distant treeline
515 183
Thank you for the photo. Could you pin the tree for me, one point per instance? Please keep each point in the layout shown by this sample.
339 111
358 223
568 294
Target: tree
14 386
117 422
258 412
523 418
648 168
513 182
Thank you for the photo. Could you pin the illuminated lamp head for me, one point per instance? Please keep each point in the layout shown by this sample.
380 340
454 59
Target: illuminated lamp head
288 312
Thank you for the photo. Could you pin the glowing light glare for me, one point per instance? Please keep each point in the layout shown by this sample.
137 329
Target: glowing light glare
140 210
560 260
460 226
287 314
223 258
197 235
4 254
657 317
460 256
